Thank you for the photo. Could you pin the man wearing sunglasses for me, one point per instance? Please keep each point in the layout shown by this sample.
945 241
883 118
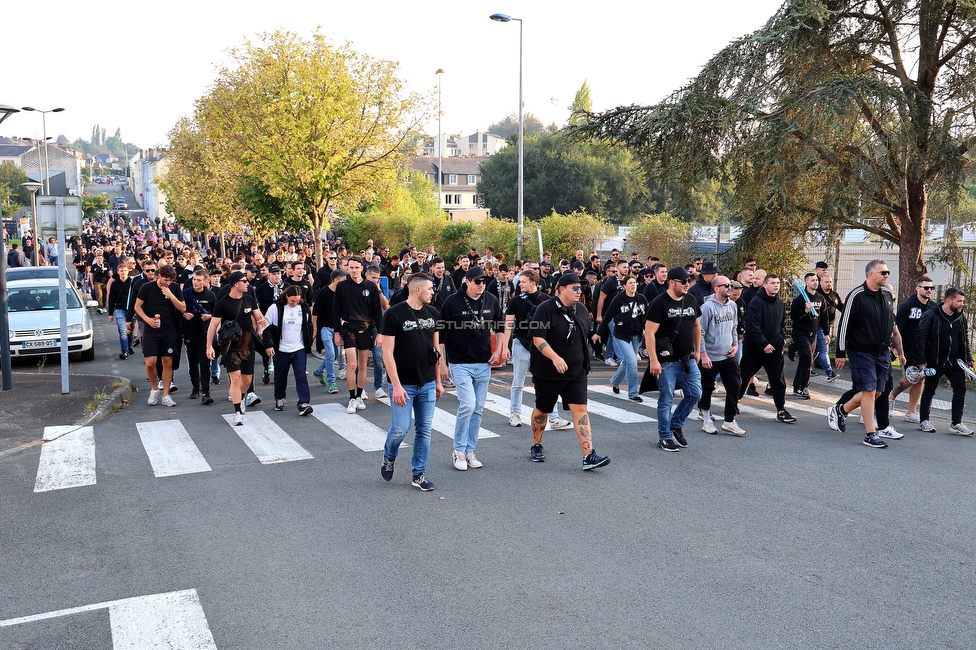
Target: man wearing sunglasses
909 314
866 334
471 316
560 362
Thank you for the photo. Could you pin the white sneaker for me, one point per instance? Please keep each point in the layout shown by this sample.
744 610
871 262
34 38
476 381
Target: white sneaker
891 407
238 419
960 429
230 398
460 460
559 423
610 362
515 420
352 406
252 399
342 373
700 416
733 428
154 396
365 395
708 426
926 426
359 404
911 417
168 401
380 394
473 461
159 385
890 433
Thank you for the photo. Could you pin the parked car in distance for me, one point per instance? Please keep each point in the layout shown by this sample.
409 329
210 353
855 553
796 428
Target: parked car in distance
34 273
34 318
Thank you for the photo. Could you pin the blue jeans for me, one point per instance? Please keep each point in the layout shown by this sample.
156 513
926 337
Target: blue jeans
520 366
328 362
125 340
471 382
420 405
674 375
296 361
821 357
609 349
377 352
627 353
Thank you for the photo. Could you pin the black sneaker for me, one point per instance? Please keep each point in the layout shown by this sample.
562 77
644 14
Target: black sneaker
668 444
420 481
535 453
832 376
616 390
387 470
784 416
206 400
836 418
872 440
123 356
751 391
304 409
266 377
592 461
636 398
802 393
679 437
791 351
215 380
195 394
769 390
813 373
279 405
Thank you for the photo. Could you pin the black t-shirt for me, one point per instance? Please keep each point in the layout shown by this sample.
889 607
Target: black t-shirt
153 302
610 288
520 306
228 308
414 333
676 320
566 330
468 326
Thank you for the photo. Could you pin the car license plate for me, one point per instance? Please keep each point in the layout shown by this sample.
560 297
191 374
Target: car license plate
39 344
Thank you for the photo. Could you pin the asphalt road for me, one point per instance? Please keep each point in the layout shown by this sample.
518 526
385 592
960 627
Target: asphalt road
794 536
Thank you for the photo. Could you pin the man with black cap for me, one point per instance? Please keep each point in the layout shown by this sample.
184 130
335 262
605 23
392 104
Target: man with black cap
470 317
267 293
560 363
703 286
673 336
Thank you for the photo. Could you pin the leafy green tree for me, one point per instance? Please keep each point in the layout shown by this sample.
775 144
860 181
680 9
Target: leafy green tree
582 105
564 175
562 234
837 113
14 195
508 126
91 204
322 127
501 235
665 236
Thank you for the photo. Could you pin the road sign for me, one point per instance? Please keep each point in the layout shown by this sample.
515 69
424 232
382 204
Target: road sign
47 215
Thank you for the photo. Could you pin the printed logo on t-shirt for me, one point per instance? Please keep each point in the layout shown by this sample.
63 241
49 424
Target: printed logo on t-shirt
915 314
421 323
678 312
366 293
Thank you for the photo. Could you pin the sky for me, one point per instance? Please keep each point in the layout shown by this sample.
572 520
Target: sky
139 66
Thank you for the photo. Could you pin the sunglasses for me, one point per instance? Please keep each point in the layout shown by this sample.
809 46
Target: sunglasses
577 288
885 272
685 281
149 270
727 286
480 280
926 288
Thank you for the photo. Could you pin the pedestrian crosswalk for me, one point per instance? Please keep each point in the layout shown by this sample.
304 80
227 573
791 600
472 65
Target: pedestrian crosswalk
68 455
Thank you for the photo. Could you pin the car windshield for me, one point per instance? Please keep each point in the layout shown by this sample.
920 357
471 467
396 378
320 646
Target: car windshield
37 299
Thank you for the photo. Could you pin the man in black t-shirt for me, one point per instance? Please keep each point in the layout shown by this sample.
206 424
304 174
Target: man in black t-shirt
200 302
411 356
673 336
616 273
158 307
356 313
237 357
560 362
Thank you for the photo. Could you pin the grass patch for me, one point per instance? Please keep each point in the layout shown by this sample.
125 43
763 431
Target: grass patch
92 405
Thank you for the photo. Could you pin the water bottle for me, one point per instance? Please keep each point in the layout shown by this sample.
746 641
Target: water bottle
157 323
914 374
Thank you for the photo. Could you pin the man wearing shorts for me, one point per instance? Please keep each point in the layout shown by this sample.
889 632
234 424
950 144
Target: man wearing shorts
159 308
237 357
356 312
867 332
560 362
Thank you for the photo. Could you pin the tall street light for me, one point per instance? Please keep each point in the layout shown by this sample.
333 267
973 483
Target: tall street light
440 170
47 169
6 379
503 18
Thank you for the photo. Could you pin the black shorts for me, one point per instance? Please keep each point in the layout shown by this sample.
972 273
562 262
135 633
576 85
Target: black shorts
235 359
548 392
159 342
353 338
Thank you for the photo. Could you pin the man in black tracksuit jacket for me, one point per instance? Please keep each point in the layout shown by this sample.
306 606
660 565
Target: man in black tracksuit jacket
763 344
807 320
943 339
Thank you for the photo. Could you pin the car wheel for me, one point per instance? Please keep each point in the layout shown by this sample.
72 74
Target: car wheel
89 354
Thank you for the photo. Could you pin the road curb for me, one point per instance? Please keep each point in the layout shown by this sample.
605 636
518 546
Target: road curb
121 396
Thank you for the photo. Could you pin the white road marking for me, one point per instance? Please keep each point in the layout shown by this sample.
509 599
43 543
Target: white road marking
267 440
623 416
443 422
67 458
173 620
354 428
170 449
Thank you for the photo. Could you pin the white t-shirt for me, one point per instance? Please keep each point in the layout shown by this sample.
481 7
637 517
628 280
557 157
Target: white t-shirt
291 328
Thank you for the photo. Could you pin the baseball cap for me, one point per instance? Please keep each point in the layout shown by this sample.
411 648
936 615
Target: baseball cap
274 268
678 273
474 273
821 265
567 279
338 273
236 277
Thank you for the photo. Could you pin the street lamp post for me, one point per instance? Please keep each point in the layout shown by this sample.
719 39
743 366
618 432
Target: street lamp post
6 379
440 170
503 18
47 168
33 187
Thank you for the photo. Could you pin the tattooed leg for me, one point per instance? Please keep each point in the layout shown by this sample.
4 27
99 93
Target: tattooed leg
581 422
539 420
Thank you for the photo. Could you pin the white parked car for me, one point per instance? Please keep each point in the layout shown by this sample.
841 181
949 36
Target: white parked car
34 318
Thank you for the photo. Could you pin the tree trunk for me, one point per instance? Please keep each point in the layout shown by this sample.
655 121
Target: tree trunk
911 255
317 234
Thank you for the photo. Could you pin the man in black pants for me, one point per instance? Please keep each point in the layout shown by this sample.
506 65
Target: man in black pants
763 344
809 317
943 339
720 342
200 302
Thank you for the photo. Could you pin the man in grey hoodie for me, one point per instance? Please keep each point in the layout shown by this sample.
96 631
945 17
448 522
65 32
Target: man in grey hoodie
719 318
